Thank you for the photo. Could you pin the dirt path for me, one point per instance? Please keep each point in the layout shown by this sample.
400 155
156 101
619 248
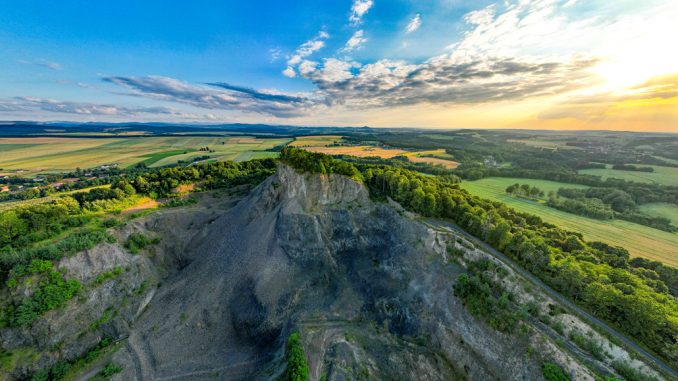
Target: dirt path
146 204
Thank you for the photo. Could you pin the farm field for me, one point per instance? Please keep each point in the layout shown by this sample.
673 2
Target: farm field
359 151
31 156
315 141
661 209
434 157
661 175
639 240
322 144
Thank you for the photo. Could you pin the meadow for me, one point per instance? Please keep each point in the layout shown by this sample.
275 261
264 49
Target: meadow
661 175
639 240
31 156
661 209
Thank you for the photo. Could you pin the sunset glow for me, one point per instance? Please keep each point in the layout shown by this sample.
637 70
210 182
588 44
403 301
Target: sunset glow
444 64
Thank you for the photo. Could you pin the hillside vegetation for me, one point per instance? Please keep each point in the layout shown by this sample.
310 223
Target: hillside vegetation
599 277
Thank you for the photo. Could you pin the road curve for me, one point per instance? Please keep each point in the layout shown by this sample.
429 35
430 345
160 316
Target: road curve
649 358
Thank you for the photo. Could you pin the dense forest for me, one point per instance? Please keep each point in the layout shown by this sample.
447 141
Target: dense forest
605 204
632 295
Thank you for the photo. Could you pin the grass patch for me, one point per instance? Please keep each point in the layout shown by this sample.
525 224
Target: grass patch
661 209
661 175
157 156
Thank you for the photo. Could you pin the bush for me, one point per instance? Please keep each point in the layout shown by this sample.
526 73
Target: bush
179 202
629 373
110 223
53 292
59 370
297 367
487 300
553 372
109 370
137 242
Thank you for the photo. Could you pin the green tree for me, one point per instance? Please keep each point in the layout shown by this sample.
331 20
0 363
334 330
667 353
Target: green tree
297 367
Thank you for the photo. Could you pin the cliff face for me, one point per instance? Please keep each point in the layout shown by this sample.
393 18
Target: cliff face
369 290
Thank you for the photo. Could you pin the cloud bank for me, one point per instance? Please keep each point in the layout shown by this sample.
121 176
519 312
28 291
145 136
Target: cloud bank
215 96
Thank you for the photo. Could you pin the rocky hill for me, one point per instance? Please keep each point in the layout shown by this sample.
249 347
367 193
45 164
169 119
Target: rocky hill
369 289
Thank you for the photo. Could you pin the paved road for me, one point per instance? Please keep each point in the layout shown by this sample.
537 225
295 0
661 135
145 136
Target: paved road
650 358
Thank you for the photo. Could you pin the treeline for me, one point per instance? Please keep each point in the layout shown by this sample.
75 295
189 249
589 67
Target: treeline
628 167
222 174
600 278
404 162
606 203
642 193
317 163
596 276
587 207
524 190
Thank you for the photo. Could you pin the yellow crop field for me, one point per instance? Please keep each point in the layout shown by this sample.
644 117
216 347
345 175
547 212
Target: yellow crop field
434 157
359 151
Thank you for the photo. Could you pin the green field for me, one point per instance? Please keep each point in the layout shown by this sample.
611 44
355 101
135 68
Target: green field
639 240
31 156
661 209
661 175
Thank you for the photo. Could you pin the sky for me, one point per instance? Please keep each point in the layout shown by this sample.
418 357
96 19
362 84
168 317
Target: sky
542 64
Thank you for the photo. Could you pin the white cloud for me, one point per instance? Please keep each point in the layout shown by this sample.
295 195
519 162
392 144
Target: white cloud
356 41
358 10
274 53
414 24
41 62
289 72
304 50
333 71
307 67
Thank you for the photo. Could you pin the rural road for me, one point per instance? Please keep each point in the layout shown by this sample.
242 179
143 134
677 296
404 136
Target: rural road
650 358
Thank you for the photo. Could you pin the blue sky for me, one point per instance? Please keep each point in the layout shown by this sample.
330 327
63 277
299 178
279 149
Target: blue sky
351 62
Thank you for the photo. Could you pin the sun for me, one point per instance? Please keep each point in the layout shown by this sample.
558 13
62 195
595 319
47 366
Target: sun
642 50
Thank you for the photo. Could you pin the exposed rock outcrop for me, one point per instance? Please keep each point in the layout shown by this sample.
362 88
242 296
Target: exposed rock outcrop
367 288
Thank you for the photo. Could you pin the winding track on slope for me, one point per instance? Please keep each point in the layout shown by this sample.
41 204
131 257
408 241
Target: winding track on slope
447 226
